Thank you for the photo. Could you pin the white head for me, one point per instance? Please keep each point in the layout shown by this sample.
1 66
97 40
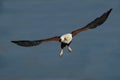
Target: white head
66 38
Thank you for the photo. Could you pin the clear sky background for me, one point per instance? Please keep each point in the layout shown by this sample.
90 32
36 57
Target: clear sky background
96 53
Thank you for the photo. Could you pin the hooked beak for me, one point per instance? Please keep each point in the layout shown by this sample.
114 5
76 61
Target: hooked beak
66 38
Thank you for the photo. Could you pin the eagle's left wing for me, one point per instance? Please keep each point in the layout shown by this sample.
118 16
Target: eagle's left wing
98 21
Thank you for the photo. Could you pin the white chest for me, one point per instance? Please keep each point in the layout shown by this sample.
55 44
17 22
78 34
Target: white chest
66 38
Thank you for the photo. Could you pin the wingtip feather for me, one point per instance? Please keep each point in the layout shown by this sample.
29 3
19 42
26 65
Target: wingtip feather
26 43
110 10
13 41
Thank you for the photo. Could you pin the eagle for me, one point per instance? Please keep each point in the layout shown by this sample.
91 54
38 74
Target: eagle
65 39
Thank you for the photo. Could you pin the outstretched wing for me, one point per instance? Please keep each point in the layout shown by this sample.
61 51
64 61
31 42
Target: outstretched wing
98 21
27 43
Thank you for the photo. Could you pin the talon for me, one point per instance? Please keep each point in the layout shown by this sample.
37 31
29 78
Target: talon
69 49
61 53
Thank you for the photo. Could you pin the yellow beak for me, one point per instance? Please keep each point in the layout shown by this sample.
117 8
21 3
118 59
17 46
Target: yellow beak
66 38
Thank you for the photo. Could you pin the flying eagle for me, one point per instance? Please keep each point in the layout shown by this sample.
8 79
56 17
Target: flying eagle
66 39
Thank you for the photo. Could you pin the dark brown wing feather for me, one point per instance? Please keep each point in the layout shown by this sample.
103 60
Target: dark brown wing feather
98 21
27 43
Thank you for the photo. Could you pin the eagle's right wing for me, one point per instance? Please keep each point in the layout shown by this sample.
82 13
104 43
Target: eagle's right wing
27 43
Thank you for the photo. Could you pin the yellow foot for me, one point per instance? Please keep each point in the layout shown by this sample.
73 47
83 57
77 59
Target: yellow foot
61 53
69 49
